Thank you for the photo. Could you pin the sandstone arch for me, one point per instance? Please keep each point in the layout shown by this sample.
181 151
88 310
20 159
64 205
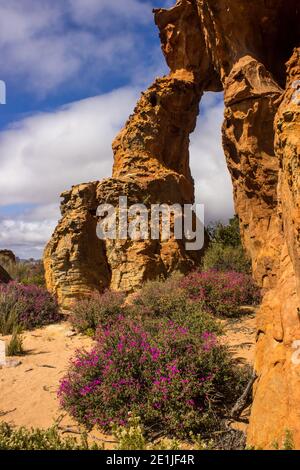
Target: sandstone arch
241 48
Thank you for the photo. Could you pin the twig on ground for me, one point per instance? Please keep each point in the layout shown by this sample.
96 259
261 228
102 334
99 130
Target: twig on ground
4 413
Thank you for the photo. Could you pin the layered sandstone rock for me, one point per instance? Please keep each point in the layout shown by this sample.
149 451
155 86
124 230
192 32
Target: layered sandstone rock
241 48
77 262
151 166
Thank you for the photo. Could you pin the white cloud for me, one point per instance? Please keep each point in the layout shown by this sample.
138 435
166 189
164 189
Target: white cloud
46 154
43 155
95 11
52 43
27 234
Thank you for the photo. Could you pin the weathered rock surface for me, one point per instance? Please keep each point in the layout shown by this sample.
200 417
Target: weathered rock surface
242 48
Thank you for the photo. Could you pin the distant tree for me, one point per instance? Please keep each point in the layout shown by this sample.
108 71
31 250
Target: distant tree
227 235
225 251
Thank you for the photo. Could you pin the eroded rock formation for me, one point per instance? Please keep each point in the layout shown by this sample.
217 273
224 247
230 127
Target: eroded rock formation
240 47
151 165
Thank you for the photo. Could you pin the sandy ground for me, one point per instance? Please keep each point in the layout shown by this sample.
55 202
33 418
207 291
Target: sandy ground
240 335
28 391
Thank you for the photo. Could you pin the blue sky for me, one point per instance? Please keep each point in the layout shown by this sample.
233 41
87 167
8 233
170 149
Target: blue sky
74 70
69 50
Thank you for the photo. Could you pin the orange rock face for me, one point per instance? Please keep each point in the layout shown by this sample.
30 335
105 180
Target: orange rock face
241 48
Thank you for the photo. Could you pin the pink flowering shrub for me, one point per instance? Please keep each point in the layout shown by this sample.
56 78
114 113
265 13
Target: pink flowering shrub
222 293
175 379
35 306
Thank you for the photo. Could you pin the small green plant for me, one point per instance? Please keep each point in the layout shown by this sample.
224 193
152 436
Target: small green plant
200 444
287 442
10 311
225 251
15 345
168 299
132 437
38 439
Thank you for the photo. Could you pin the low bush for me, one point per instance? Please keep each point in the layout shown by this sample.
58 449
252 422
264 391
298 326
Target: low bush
26 306
98 309
133 437
157 299
226 258
225 251
15 345
177 379
171 299
38 439
161 298
221 293
11 310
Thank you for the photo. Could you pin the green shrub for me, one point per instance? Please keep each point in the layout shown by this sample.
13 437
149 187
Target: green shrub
133 437
130 437
98 309
37 439
15 345
227 235
161 298
225 251
25 272
169 299
226 258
